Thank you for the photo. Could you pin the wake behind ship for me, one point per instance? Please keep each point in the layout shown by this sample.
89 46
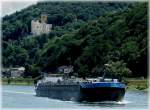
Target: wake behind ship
77 89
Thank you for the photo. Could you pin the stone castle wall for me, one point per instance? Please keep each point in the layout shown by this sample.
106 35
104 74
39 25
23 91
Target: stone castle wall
42 27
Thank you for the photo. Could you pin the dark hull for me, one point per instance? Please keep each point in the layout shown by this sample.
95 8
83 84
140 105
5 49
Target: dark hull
62 92
77 93
102 94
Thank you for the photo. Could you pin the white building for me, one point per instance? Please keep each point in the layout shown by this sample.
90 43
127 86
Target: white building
13 72
17 72
65 69
42 27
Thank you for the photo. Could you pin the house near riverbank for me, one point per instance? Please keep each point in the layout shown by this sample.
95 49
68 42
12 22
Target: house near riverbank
65 69
13 72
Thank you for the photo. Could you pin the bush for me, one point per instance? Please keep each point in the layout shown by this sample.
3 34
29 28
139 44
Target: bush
118 68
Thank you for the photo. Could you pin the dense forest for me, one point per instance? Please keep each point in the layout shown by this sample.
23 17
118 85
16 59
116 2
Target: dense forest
87 35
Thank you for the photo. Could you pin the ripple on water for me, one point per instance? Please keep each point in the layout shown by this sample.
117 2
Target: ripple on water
24 97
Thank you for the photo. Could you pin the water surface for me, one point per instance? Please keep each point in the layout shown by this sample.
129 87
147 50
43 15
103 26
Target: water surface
24 97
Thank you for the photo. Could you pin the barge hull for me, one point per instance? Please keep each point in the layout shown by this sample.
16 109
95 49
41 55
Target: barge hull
102 94
82 92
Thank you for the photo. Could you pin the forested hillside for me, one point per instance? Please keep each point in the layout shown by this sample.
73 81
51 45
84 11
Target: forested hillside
17 25
85 35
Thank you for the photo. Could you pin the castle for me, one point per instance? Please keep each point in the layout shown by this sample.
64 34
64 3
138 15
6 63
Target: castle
40 27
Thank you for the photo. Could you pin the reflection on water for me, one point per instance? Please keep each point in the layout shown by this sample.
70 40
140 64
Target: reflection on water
24 97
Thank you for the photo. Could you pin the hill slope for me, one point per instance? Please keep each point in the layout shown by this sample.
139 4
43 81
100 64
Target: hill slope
18 25
113 37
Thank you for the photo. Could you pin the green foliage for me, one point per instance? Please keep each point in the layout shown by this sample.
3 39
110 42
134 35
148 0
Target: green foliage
15 56
32 70
85 35
130 50
118 68
18 24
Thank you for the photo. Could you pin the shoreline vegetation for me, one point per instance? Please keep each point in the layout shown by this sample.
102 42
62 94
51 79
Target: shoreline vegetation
137 83
86 36
18 81
132 83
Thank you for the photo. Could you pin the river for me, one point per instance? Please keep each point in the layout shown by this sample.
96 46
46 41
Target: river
24 97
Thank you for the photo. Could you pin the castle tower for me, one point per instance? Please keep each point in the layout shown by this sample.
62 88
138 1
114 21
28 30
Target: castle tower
42 27
43 18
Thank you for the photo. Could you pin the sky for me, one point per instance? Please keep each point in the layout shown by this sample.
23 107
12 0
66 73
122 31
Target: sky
11 6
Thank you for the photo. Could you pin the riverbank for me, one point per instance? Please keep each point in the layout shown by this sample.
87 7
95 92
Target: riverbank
132 83
17 81
136 83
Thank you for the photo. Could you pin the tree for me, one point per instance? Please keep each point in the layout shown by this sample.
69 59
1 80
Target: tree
118 69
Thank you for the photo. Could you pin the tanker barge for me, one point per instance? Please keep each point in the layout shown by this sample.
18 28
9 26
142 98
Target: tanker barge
76 89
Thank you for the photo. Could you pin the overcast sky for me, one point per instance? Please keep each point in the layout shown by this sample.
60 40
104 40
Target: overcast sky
9 7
